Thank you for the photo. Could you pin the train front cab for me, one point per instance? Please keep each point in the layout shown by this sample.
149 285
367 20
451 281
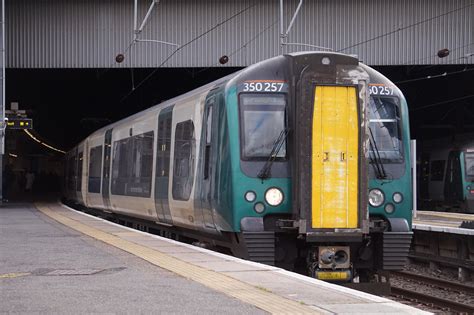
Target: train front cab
330 165
320 172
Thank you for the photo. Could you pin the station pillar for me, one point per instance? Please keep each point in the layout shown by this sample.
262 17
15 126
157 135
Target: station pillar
2 96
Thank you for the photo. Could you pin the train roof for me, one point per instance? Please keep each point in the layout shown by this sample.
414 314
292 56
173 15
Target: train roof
171 101
375 77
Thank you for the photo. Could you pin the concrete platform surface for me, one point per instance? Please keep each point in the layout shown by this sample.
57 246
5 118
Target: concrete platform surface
48 268
68 266
444 222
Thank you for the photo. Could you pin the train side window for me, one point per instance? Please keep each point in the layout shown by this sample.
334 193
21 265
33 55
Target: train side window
79 171
142 166
437 170
132 166
120 166
207 152
95 168
164 145
184 157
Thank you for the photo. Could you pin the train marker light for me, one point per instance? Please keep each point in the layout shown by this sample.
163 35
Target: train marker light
397 197
389 208
376 197
274 197
259 207
250 196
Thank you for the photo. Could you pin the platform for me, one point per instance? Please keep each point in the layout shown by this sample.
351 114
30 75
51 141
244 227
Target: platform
57 260
445 222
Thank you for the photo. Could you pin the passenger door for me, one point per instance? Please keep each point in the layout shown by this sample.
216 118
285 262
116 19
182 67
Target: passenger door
162 169
208 142
453 188
106 168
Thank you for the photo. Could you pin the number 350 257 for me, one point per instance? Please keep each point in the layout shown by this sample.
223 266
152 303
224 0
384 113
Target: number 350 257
380 90
263 86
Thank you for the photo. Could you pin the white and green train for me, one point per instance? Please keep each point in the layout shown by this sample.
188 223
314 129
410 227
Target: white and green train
299 161
447 181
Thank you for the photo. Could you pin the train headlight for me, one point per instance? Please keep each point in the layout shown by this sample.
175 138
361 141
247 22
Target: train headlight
376 197
274 197
250 196
389 208
397 197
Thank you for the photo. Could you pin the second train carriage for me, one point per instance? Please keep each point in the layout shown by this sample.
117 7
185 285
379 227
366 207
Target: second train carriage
302 159
447 179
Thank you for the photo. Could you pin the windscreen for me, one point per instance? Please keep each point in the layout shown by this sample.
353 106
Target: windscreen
385 125
262 121
469 157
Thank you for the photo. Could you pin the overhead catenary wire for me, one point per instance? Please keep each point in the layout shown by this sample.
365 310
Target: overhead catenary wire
135 87
270 26
445 74
443 102
409 62
405 27
184 45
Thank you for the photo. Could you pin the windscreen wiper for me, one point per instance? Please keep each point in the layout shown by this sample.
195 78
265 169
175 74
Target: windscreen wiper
265 172
376 159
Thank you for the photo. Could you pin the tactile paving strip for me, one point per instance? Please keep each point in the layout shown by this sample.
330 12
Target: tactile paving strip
264 300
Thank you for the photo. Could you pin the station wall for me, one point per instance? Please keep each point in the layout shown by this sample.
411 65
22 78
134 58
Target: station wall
90 33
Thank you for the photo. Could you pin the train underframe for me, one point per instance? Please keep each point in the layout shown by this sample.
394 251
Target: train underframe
362 261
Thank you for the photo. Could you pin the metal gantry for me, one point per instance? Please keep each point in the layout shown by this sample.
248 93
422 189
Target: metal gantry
137 30
284 35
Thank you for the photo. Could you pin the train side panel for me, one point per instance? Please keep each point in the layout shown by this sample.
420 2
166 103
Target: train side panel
186 130
131 184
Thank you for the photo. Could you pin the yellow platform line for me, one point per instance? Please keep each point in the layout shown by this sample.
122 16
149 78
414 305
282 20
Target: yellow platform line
14 275
264 300
435 223
460 216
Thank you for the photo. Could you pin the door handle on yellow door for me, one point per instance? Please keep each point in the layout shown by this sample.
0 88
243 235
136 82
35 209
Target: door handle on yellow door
343 156
326 156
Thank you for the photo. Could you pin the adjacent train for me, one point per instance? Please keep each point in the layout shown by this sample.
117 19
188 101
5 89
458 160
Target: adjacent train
447 178
299 161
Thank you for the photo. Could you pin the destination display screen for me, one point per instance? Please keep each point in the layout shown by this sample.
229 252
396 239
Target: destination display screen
20 123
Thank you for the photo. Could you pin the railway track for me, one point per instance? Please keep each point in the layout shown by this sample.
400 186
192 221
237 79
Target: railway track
430 299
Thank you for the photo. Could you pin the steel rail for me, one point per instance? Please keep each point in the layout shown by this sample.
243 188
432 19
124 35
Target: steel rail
433 300
434 281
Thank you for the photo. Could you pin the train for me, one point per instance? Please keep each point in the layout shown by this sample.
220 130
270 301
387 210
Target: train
300 161
447 175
